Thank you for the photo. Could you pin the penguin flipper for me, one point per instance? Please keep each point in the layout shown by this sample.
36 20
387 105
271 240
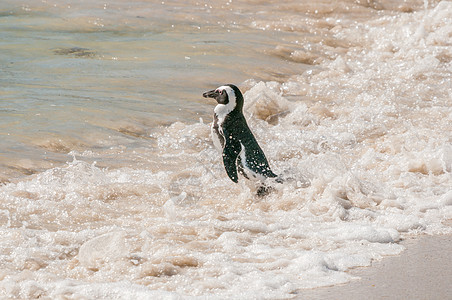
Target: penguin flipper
257 162
230 153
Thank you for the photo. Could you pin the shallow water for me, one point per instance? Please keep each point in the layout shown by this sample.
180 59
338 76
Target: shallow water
79 76
112 187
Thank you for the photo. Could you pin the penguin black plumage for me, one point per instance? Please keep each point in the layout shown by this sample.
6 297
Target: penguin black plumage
232 136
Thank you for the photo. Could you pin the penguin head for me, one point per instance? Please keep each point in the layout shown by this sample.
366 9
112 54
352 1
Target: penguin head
227 96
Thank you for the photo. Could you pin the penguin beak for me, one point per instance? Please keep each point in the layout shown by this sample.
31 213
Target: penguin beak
211 94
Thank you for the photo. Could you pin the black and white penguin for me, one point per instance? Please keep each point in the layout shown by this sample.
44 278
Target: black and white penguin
232 136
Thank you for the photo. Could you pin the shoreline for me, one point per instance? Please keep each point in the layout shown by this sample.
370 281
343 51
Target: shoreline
422 271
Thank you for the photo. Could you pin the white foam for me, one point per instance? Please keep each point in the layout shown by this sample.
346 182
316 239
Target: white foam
103 249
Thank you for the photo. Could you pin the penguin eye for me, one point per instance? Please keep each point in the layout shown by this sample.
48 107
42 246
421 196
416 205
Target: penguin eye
221 92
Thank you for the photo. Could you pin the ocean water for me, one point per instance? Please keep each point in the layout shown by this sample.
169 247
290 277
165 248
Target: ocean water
111 187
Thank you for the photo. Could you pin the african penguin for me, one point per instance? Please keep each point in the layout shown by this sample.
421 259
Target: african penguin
232 136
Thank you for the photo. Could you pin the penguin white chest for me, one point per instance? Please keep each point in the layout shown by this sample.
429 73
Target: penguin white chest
216 132
217 138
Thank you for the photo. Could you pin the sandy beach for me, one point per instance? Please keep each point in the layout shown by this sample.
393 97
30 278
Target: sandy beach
422 271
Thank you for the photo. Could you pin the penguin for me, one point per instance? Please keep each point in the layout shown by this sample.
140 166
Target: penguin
234 139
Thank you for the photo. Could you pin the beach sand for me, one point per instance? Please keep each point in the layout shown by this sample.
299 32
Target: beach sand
422 271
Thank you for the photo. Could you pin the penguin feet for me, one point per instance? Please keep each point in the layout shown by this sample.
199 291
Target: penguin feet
264 190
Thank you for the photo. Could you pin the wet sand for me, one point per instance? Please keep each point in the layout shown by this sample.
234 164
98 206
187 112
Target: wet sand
422 271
